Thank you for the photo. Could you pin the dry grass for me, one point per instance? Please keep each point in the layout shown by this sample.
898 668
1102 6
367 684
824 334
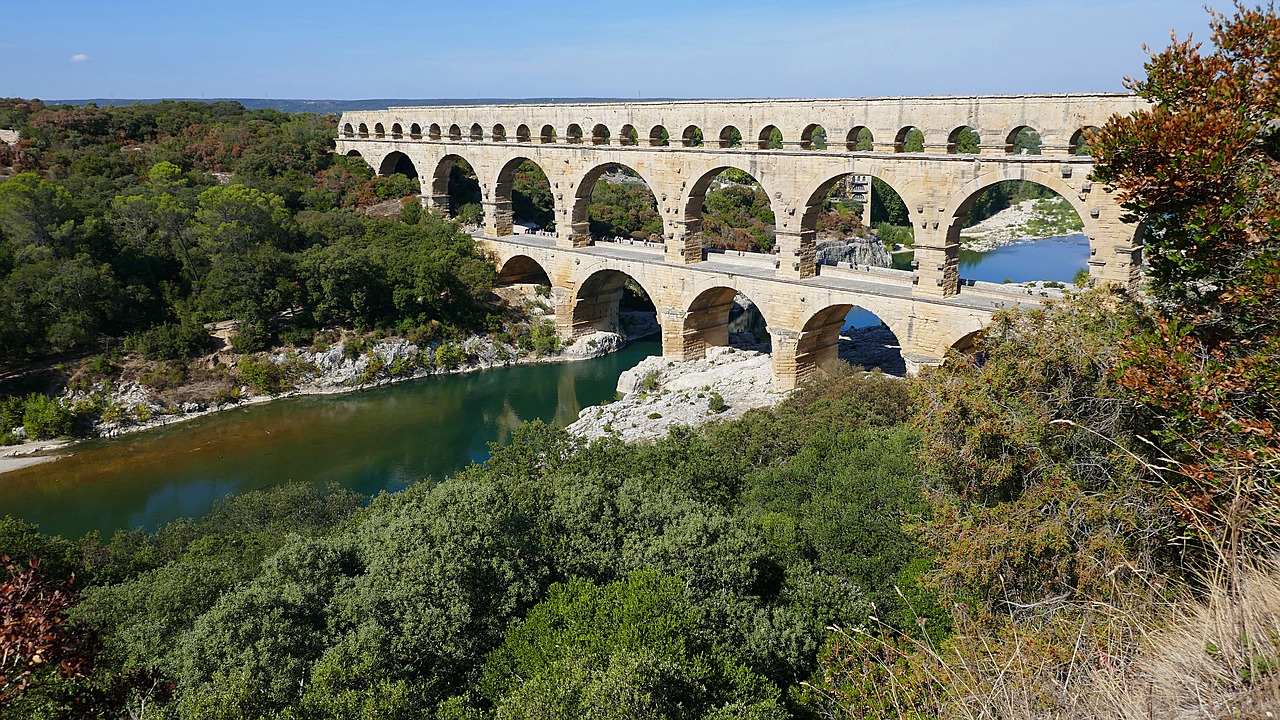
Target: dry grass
1212 656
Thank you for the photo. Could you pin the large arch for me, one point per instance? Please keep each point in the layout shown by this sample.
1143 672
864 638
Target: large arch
454 186
958 210
827 336
522 270
581 230
816 201
758 236
397 162
597 299
511 204
709 322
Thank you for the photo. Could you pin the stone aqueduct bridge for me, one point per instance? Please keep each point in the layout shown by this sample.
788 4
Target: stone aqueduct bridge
930 309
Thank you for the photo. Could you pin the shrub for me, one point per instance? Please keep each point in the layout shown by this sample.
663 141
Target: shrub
450 356
715 403
262 375
167 341
46 417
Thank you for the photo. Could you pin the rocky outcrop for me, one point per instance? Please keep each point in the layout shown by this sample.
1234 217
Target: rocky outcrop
854 250
661 394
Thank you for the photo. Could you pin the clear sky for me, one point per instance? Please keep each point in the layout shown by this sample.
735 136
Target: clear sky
320 49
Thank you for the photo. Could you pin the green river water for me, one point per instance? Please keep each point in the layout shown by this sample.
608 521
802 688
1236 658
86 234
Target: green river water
381 439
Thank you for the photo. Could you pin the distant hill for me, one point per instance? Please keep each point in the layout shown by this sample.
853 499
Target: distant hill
337 106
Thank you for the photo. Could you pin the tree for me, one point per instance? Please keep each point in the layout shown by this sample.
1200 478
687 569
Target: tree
1201 170
36 642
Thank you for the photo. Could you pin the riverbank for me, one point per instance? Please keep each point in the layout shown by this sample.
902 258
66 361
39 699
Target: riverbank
134 407
1026 221
659 394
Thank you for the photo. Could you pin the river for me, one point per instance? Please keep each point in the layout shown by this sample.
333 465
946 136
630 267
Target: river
372 441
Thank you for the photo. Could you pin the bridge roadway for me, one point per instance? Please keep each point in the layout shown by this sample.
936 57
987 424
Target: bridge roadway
803 315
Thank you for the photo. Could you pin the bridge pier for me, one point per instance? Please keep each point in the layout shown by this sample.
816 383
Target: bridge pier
498 218
797 252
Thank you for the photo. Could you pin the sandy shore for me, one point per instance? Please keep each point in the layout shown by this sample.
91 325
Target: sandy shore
13 457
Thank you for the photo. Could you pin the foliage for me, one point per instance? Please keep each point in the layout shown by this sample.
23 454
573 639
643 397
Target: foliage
261 375
628 649
46 417
1200 168
37 645
625 209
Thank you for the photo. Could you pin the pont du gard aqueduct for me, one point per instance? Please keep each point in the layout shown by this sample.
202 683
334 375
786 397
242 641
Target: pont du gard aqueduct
929 308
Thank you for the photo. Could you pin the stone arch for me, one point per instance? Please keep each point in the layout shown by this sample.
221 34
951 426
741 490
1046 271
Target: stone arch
523 135
1079 144
600 134
628 136
692 211
433 132
397 162
354 154
957 211
596 299
730 137
659 137
708 322
548 135
499 133
814 204
860 139
770 138
573 134
968 343
455 132
397 132
691 137
348 131
964 140
442 199
505 196
415 131
908 140
820 340
363 130
1022 140
476 134
379 131
580 216
522 270
813 137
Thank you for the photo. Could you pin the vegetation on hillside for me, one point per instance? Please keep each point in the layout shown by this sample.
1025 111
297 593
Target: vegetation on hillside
1079 521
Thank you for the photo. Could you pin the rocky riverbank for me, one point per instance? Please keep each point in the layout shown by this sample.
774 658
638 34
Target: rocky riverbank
1022 222
132 406
659 394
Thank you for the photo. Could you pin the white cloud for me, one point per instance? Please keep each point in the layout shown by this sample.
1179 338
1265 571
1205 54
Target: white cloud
79 57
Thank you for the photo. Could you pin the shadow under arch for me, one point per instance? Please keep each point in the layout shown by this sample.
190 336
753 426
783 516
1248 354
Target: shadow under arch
397 162
598 300
534 204
721 316
646 210
742 192
522 270
850 333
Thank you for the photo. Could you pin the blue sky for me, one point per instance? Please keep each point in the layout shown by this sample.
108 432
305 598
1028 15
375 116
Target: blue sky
646 48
